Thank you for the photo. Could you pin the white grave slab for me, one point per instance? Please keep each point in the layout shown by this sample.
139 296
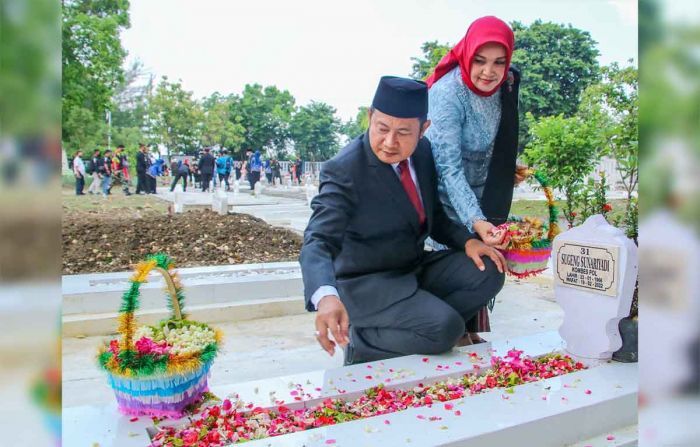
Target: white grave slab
595 268
179 203
552 412
258 190
219 202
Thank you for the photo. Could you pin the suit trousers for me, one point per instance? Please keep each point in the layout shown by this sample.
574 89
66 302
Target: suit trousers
451 290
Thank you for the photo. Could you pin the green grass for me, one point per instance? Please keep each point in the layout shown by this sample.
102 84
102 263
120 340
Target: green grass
115 203
538 208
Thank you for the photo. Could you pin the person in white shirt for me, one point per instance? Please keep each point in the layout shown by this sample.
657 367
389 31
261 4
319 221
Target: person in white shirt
79 172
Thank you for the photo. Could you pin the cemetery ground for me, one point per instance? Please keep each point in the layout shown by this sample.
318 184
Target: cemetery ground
267 334
254 349
111 234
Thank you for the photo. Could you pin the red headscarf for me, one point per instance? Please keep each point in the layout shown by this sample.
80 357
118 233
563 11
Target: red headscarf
484 30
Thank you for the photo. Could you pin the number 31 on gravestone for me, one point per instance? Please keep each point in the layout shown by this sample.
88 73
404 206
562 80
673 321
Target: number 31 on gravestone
590 267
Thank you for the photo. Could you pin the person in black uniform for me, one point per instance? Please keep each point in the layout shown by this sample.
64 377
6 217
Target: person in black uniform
141 169
364 264
206 168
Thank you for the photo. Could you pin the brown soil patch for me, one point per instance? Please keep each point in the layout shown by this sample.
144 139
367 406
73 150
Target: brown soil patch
95 242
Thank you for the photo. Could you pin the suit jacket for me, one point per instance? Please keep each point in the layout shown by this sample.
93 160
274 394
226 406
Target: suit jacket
206 164
364 237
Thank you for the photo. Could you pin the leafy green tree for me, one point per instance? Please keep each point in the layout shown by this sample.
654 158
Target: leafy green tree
314 130
357 126
130 103
432 53
566 150
219 129
557 63
265 114
92 65
175 117
614 103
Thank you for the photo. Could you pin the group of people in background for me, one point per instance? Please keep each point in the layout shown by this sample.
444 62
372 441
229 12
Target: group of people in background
203 171
111 168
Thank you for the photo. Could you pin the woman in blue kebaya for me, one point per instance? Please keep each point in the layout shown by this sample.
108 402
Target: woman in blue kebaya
473 109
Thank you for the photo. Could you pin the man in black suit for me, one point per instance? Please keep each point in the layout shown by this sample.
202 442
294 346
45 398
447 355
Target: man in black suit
141 170
365 269
206 168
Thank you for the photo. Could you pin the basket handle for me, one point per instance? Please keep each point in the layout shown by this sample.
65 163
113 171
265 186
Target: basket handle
130 300
549 195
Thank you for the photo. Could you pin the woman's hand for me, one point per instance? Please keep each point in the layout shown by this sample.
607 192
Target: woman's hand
521 173
489 234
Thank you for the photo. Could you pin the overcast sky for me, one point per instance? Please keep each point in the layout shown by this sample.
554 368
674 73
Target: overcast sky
335 51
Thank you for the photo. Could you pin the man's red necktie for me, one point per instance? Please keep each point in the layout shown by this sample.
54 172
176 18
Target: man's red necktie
410 188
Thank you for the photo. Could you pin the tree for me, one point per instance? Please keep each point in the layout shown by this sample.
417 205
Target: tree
566 150
176 118
355 127
432 53
92 65
314 130
130 104
218 128
557 63
615 102
265 114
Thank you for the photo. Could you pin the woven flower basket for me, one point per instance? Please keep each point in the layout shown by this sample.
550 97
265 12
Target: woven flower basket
159 370
529 239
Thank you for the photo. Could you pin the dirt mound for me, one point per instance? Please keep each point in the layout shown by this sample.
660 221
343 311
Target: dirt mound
194 238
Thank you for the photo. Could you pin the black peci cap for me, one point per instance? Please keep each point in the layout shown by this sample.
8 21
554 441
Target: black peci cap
401 97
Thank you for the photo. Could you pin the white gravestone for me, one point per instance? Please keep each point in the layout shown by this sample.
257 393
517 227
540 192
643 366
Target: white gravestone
669 304
595 269
179 202
219 202
258 190
311 190
236 187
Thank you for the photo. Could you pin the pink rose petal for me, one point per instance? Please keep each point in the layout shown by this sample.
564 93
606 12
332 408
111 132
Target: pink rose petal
610 438
330 441
387 422
449 406
588 391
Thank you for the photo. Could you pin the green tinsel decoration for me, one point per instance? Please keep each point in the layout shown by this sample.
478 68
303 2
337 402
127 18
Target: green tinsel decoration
126 359
162 260
104 358
130 299
541 179
209 352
